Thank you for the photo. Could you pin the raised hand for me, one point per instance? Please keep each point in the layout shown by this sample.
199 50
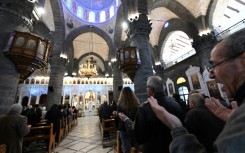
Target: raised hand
220 110
162 114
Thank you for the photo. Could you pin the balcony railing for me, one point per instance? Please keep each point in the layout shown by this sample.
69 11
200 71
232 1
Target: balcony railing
236 27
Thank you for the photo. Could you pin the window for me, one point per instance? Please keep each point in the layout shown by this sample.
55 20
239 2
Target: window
183 92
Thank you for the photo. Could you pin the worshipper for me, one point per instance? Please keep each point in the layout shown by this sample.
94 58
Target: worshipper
105 112
54 116
201 122
147 128
13 127
127 104
228 67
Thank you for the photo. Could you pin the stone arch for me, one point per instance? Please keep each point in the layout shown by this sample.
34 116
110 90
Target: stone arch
178 9
80 30
176 25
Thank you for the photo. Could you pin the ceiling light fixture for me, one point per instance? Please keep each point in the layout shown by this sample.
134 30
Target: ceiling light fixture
89 69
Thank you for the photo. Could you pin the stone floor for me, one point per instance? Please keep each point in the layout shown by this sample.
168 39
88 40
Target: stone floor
84 138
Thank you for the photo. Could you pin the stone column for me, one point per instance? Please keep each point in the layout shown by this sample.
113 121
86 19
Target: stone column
117 80
203 46
139 30
56 80
11 19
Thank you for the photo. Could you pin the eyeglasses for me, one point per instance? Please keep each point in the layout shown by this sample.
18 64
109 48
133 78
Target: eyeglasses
211 68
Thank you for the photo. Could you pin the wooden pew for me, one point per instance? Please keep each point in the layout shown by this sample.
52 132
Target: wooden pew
69 120
66 127
42 133
62 131
108 125
118 146
3 148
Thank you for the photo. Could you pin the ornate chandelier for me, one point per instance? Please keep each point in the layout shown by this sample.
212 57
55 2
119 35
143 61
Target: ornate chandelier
89 69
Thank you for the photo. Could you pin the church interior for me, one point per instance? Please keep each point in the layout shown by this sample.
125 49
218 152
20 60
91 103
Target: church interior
81 52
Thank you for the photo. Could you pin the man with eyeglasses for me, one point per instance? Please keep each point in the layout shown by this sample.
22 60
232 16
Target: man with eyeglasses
228 67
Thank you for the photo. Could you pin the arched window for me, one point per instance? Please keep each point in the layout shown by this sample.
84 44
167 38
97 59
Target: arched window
91 16
102 16
79 12
181 80
183 92
111 11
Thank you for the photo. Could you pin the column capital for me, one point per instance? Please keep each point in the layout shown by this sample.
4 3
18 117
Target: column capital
204 40
139 26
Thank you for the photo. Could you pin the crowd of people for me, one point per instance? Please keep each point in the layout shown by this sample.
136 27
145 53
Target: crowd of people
17 122
206 125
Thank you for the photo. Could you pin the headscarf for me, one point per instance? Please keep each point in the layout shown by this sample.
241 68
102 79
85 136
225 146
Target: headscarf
15 109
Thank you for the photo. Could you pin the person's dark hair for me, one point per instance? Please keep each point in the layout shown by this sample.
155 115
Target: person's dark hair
235 43
127 99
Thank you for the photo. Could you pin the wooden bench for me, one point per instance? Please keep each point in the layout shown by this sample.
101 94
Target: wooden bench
118 146
3 148
62 131
42 133
108 125
66 127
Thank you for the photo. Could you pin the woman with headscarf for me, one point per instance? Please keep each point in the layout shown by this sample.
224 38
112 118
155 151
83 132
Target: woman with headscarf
13 127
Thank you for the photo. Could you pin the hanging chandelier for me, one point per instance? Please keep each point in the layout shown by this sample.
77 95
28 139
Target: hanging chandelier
89 69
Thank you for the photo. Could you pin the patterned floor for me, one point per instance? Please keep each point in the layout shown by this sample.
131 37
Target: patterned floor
84 138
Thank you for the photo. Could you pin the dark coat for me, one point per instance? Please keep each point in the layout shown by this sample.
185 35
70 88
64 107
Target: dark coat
201 122
12 130
105 111
149 130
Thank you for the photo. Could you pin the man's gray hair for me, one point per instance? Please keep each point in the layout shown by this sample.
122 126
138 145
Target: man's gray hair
15 109
235 43
156 83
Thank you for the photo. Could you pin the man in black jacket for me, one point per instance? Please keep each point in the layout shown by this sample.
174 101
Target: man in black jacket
147 128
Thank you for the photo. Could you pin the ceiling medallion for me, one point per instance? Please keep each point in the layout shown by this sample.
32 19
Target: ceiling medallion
89 69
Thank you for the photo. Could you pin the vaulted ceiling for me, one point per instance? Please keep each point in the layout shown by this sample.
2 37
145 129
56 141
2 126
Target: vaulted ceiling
174 24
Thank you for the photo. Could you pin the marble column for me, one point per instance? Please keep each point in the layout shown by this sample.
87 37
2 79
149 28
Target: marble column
117 80
203 46
139 30
56 80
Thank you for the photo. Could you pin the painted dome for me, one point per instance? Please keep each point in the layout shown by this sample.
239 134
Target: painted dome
93 11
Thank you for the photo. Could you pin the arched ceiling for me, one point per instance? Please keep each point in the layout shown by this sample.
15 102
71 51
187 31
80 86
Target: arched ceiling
214 15
90 42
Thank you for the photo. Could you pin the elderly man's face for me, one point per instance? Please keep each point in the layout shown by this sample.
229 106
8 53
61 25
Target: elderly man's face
224 71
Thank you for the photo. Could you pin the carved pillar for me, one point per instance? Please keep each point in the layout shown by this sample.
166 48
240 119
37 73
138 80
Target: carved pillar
117 80
56 80
203 46
138 33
